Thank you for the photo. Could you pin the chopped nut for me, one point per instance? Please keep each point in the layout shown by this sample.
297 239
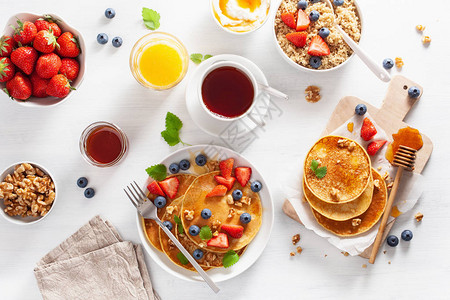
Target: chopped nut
376 183
216 223
202 244
426 39
420 27
326 255
238 204
345 253
384 251
356 222
335 194
379 168
312 93
295 239
246 200
189 214
390 185
418 217
389 262
385 176
299 249
231 213
216 233
399 62
292 253
351 146
341 143
364 266
170 209
230 200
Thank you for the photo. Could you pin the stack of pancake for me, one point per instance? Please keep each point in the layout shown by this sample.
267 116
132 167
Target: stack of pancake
351 197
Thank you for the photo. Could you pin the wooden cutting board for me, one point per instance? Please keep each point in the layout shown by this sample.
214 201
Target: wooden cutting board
396 106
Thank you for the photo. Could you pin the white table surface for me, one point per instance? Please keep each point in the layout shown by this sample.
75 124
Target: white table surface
419 269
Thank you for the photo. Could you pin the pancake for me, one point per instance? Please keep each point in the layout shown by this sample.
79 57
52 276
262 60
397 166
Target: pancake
348 169
195 200
340 211
368 218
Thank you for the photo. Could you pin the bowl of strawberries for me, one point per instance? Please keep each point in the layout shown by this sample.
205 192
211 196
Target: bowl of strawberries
42 59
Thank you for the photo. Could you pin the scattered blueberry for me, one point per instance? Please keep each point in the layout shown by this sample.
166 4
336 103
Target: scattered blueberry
302 4
168 224
245 218
89 193
324 32
392 240
314 15
315 62
407 235
102 38
206 213
194 230
414 92
117 41
237 195
256 186
198 254
185 164
110 13
360 109
82 182
200 160
338 2
160 202
388 63
174 168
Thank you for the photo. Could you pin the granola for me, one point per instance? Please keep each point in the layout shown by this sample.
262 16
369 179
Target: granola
295 239
418 217
312 94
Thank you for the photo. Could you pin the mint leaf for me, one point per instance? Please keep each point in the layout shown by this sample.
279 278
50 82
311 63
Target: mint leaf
314 165
151 18
172 121
321 172
183 260
180 225
207 56
205 233
172 133
171 136
197 58
157 172
230 259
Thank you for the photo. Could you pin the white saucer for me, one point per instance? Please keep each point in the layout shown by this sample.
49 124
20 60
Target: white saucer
216 127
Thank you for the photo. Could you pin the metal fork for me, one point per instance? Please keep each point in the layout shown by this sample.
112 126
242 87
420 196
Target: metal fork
148 210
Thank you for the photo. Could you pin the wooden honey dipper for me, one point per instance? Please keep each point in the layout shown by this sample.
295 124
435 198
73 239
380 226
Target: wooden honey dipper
404 158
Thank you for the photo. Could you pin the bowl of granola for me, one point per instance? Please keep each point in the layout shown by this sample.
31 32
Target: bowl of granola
27 193
306 37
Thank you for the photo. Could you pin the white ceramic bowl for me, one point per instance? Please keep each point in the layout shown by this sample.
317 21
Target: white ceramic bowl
49 101
25 220
299 67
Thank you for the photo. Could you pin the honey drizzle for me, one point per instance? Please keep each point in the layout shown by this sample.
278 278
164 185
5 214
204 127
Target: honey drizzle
409 137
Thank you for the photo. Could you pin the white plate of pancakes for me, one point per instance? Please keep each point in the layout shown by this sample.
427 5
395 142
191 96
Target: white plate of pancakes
252 251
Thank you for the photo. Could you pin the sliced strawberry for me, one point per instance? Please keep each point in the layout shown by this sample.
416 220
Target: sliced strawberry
220 241
374 146
235 231
218 190
170 186
228 182
297 38
226 167
243 175
368 130
289 19
155 189
302 20
318 47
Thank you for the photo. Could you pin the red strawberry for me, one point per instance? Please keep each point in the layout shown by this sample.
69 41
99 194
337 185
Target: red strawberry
59 86
297 38
69 67
218 190
48 24
39 85
170 186
227 182
318 47
25 58
68 45
7 69
220 241
25 32
55 29
374 146
155 189
289 19
45 42
7 44
48 65
19 87
226 167
302 21
243 175
368 130
235 231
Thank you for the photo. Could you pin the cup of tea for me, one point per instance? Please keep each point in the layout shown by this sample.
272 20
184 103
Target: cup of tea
227 91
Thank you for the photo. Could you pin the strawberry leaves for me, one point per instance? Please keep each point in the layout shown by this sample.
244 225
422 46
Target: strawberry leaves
151 18
320 172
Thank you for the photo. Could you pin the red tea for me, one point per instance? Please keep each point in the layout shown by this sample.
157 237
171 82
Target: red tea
104 145
228 92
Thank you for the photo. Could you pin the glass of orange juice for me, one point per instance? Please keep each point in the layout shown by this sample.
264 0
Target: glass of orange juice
159 61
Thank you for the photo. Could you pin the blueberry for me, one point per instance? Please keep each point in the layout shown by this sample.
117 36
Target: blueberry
315 62
102 38
414 92
256 186
206 213
388 63
174 168
338 2
302 4
168 224
110 13
117 41
89 193
392 240
82 182
194 230
407 235
237 195
198 254
324 32
360 109
185 164
314 15
245 218
200 160
160 202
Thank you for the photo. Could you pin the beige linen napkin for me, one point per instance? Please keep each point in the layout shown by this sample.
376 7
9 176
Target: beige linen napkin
94 263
